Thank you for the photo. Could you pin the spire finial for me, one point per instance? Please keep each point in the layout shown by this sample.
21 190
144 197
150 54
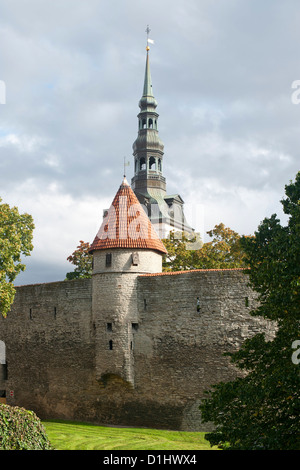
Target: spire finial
148 40
126 163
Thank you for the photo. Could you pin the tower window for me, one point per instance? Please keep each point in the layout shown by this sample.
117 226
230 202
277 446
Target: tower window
142 164
159 164
135 326
109 326
152 163
110 345
150 124
108 260
135 259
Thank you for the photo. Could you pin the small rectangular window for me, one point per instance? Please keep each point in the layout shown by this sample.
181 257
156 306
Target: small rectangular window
109 326
108 260
55 312
110 345
246 301
145 304
135 326
30 313
135 259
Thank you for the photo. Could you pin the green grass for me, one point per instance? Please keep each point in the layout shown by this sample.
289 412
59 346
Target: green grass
79 436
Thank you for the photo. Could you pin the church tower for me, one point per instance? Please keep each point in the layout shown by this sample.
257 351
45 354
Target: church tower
148 149
165 211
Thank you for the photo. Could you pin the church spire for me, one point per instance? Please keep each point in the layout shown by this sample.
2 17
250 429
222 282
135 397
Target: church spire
148 182
147 102
148 149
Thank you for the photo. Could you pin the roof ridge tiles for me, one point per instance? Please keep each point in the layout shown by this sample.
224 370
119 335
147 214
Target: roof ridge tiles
174 273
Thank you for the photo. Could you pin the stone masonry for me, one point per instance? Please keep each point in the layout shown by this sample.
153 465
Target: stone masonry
167 348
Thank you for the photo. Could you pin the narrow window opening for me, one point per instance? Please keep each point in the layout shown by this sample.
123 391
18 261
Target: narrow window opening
30 313
108 260
150 124
152 163
246 301
198 304
135 326
142 164
131 346
110 344
109 326
159 164
135 259
145 304
55 313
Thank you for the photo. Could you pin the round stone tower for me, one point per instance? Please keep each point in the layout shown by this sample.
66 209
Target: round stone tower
125 246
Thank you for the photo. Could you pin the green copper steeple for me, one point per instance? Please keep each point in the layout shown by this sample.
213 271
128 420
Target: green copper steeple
148 97
148 182
148 149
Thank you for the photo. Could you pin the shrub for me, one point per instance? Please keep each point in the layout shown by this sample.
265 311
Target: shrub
21 429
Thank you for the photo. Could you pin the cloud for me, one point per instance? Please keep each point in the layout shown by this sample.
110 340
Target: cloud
222 75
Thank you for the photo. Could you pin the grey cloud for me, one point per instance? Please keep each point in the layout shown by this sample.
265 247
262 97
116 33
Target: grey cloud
221 71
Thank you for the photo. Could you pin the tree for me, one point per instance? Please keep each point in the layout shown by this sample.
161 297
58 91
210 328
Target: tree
186 252
15 240
224 251
21 429
178 257
83 261
261 410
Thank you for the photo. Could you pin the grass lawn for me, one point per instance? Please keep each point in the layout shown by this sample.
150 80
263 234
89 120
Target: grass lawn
79 436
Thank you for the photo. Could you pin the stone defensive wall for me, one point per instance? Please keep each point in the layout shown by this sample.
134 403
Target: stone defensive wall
51 342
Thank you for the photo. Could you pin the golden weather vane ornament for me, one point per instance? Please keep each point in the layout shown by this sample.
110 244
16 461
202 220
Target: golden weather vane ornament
149 41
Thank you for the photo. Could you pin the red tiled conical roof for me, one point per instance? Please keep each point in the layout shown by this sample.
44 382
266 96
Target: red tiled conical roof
126 225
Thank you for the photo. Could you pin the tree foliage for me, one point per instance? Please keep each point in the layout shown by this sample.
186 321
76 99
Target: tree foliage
82 260
186 252
21 429
262 410
15 240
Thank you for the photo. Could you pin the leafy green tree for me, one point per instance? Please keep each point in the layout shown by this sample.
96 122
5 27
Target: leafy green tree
15 240
178 258
223 251
186 252
262 409
83 261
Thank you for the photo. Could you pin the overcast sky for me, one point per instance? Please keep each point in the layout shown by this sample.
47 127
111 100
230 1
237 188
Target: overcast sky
222 73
